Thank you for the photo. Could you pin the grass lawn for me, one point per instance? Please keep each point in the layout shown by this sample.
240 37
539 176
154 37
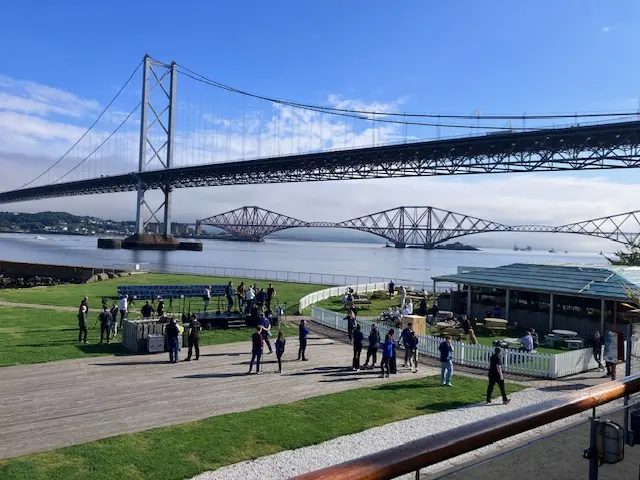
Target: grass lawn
186 450
29 335
71 295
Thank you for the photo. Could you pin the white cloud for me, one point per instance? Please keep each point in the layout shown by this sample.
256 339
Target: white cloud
30 97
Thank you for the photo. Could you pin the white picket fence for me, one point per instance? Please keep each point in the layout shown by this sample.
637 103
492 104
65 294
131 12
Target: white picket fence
315 297
541 365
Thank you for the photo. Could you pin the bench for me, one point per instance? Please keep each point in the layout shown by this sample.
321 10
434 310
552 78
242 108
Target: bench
364 303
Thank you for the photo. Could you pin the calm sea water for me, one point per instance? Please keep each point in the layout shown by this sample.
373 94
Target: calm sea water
316 257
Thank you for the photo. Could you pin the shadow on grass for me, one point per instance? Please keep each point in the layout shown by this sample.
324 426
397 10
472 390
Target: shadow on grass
348 379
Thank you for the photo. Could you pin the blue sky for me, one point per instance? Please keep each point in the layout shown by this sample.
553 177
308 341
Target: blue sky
440 57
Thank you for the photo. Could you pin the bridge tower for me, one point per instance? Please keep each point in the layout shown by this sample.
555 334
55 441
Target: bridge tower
156 150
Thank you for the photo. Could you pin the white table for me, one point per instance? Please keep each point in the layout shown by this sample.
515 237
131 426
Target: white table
512 341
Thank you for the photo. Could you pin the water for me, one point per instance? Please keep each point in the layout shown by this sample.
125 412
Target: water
317 257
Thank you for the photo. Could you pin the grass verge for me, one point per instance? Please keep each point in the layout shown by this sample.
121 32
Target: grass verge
186 450
71 295
30 335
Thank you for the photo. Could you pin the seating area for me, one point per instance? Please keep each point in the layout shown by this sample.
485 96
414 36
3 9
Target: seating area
153 292
564 339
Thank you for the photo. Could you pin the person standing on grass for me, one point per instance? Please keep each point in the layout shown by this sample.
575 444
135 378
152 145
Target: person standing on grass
271 294
193 337
206 297
229 293
374 345
146 310
241 293
85 303
404 338
160 308
413 351
82 323
387 352
446 361
105 324
257 343
303 334
280 344
265 323
358 338
123 309
496 376
249 298
172 332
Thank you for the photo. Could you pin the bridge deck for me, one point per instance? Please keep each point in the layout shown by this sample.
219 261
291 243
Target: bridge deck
588 147
53 405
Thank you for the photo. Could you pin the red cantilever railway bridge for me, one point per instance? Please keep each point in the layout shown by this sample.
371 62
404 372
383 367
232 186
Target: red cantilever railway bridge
426 227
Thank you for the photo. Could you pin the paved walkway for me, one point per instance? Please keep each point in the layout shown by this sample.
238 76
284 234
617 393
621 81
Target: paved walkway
52 405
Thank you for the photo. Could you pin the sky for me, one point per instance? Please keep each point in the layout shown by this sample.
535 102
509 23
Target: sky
66 60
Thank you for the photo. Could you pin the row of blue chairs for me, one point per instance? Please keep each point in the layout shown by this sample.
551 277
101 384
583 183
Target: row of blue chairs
149 292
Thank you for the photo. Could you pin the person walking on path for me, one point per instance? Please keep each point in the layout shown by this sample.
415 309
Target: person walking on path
413 351
374 345
265 323
597 349
172 331
358 338
446 361
351 325
257 342
193 338
82 324
303 334
393 365
387 352
280 344
496 376
404 338
106 320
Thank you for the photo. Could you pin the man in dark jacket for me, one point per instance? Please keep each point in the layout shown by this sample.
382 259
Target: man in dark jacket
229 293
105 324
271 293
404 338
358 338
82 323
496 376
193 338
172 332
257 342
374 345
303 333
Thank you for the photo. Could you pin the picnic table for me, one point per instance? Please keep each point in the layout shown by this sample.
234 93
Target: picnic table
361 302
565 333
495 324
512 342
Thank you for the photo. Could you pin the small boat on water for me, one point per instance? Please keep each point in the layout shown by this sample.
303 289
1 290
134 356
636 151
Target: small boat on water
552 251
38 237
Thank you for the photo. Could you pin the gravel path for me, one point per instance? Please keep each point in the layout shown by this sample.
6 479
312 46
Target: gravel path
289 463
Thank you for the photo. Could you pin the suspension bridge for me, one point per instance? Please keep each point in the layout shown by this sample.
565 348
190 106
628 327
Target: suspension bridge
424 227
216 135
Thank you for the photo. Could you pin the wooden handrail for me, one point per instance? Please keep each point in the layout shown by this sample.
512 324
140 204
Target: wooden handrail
426 451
